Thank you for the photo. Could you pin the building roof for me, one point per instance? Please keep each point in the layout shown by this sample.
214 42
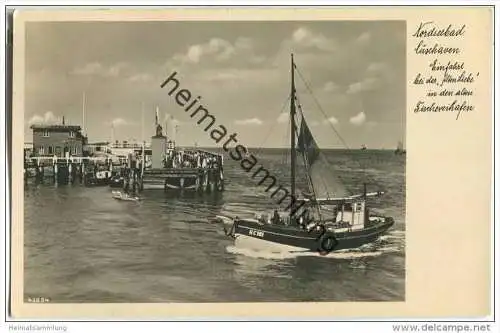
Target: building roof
57 127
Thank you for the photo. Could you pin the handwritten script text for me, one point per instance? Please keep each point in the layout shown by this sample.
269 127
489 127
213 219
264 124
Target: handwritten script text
446 82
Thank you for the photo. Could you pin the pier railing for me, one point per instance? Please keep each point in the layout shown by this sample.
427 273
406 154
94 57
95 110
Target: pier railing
72 159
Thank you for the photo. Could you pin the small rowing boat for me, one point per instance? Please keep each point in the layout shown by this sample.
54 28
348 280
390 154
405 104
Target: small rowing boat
124 196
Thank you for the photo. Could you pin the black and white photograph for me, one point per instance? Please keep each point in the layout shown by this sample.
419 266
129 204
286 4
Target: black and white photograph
214 161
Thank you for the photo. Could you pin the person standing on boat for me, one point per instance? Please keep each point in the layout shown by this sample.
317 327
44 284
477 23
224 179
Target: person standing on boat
301 221
304 218
335 212
276 217
126 189
307 215
126 181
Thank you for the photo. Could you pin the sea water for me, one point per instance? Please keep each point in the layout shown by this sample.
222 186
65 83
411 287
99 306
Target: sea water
81 245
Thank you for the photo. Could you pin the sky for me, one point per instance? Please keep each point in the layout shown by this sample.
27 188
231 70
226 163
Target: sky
356 71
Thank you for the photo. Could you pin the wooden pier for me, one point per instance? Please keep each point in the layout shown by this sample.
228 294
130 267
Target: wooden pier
127 173
202 178
189 179
67 170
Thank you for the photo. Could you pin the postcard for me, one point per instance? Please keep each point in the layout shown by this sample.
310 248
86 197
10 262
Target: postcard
243 163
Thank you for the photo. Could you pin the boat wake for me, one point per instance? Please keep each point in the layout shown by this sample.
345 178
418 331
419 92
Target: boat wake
347 254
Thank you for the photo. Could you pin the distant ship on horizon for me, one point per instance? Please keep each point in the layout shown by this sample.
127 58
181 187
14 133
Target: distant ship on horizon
400 150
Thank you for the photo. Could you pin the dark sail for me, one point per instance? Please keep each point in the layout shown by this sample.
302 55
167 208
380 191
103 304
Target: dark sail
306 144
325 183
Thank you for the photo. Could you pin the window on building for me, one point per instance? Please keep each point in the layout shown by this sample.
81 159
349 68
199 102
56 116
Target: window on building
71 134
58 151
41 150
75 150
51 150
45 134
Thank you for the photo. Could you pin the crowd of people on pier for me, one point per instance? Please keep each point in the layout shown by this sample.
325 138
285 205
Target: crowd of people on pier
174 159
198 159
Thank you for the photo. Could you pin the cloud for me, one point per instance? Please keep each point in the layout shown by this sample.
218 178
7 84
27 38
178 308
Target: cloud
366 84
283 117
309 39
223 49
358 119
97 69
222 76
170 120
88 69
330 86
118 122
244 43
220 50
235 79
116 69
141 77
376 67
383 71
331 120
250 121
47 119
364 38
378 74
257 59
194 53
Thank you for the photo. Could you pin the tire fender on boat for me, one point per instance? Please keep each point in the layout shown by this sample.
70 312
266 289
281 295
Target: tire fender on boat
327 243
388 219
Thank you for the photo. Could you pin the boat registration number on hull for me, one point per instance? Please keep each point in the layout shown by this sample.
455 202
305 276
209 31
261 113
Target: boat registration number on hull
256 233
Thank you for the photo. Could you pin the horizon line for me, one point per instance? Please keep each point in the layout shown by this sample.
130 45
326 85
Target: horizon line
257 148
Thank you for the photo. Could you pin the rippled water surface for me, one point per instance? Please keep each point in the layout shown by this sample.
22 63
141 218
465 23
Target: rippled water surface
81 245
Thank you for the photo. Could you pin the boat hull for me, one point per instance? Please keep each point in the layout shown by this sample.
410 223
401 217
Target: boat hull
292 237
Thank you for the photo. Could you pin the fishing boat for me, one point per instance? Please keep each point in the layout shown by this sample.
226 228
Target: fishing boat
99 178
399 150
326 218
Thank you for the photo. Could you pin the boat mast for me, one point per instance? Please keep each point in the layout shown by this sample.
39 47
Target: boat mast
292 131
84 102
143 141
